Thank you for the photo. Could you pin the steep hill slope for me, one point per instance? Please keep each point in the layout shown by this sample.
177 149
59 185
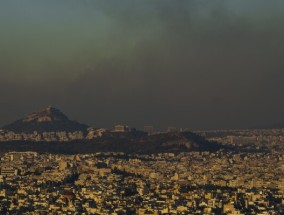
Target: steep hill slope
47 120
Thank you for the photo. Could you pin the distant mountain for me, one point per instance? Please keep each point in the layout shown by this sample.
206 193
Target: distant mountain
47 120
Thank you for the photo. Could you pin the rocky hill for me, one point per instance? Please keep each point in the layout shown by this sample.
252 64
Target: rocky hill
168 142
49 119
49 130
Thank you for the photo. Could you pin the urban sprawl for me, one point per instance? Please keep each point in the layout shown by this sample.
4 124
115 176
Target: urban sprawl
222 182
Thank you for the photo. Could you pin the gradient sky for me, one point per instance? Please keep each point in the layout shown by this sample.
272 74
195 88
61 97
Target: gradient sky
199 64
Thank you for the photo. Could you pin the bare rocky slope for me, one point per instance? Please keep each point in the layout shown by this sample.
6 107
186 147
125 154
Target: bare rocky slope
49 119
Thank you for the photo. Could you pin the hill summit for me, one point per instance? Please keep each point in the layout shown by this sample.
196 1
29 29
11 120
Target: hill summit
47 120
49 114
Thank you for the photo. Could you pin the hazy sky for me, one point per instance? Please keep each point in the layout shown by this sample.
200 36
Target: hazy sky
199 64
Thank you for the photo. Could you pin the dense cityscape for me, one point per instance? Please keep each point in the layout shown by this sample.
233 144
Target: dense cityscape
221 182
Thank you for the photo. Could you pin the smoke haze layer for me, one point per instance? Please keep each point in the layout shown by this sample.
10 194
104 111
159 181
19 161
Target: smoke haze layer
198 64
